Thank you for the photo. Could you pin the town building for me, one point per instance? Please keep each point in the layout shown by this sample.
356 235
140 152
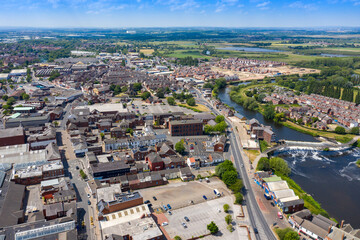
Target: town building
186 128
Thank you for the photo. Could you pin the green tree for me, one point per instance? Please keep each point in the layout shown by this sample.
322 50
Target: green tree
137 86
145 95
219 118
213 228
291 236
177 238
238 198
228 219
124 89
354 130
56 123
5 97
171 101
269 112
179 147
160 93
340 130
191 102
229 177
220 169
263 164
46 99
237 186
226 208
280 165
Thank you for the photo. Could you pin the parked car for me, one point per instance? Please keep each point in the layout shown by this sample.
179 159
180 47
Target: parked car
204 197
88 195
169 212
200 180
154 198
89 203
184 225
207 180
186 219
77 167
168 205
191 147
272 204
280 216
147 202
165 208
164 224
149 205
256 231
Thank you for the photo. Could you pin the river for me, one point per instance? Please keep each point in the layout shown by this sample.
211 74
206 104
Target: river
249 49
332 178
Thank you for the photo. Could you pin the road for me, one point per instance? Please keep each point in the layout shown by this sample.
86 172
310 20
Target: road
256 217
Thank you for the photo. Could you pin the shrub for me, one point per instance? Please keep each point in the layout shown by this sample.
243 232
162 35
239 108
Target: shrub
238 198
226 208
230 228
177 238
263 164
228 219
212 228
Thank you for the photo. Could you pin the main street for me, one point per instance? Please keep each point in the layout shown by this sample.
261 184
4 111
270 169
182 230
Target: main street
256 217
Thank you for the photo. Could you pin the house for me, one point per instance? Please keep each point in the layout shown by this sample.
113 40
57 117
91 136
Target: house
165 149
155 161
174 162
219 143
118 132
193 163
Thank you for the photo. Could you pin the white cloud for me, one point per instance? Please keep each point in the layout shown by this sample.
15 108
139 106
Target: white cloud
175 5
301 5
263 4
224 4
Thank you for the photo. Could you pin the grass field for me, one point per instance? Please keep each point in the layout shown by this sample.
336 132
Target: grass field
252 154
186 53
147 50
198 107
339 137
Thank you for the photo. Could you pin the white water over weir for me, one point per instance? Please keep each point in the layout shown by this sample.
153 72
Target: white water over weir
302 145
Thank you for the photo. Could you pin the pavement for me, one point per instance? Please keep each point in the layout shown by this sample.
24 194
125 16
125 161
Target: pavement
200 215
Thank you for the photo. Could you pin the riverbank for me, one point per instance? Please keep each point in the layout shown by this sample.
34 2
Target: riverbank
239 96
358 163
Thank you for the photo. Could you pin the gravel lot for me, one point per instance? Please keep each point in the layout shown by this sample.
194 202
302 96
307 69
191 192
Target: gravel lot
144 107
179 194
199 216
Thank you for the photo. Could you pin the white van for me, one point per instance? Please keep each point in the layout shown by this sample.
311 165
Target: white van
217 193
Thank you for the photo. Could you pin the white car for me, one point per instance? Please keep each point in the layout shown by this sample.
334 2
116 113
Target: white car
164 224
88 195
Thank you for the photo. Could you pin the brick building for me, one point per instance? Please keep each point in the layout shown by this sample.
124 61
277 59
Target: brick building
12 136
186 128
155 162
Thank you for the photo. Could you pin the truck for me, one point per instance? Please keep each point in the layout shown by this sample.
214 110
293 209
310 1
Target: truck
217 193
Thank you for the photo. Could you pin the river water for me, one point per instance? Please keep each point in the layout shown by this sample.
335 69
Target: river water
332 178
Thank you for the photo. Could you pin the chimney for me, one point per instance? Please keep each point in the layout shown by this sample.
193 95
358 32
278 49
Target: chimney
342 223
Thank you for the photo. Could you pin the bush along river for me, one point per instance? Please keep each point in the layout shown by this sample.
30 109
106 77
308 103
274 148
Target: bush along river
332 178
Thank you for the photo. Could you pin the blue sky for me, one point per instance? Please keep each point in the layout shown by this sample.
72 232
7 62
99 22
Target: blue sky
175 13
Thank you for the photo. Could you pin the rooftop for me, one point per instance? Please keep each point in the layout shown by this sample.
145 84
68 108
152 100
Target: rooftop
183 122
11 132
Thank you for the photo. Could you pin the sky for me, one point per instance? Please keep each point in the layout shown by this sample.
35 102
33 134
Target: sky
178 13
